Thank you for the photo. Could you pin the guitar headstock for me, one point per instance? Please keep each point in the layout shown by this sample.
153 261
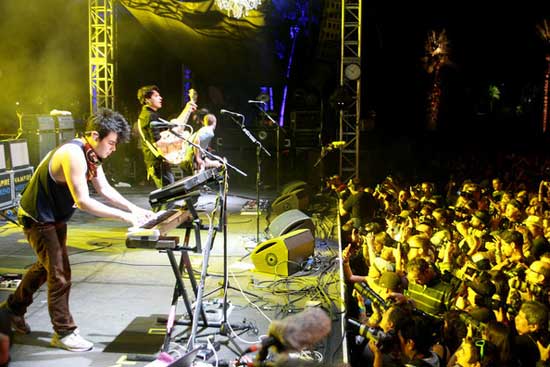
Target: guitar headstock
193 95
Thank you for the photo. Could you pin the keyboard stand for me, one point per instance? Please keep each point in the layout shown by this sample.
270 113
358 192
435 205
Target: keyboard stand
178 269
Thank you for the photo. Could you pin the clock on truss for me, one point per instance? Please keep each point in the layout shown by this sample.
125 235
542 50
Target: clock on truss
352 71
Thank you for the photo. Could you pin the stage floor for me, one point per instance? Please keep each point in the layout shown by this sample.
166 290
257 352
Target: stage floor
118 293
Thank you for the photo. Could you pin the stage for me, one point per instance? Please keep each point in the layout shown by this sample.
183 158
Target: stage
119 294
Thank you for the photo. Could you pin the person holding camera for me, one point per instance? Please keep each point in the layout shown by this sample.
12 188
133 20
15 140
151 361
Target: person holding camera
509 252
535 244
415 342
383 346
476 299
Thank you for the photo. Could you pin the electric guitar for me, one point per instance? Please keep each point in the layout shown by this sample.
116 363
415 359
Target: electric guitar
172 147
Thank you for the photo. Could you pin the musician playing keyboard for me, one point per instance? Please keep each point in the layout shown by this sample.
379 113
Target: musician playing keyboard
195 161
58 186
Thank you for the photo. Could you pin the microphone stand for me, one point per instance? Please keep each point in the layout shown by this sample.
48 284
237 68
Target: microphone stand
221 205
278 129
259 148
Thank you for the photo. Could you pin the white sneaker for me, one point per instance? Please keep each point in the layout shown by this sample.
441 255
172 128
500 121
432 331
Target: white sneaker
72 342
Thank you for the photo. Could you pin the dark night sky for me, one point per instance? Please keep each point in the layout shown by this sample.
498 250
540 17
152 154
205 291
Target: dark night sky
490 44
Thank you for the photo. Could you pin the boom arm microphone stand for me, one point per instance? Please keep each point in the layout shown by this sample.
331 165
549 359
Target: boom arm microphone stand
278 129
259 148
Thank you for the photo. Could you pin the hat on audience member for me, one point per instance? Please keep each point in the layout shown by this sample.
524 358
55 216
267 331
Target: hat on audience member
481 260
482 285
483 216
533 220
483 315
390 280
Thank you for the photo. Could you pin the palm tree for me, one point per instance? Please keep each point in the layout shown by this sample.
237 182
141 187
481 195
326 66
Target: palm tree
544 31
437 55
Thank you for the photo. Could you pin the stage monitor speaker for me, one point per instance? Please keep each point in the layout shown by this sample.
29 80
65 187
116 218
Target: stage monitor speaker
289 221
284 255
293 186
297 199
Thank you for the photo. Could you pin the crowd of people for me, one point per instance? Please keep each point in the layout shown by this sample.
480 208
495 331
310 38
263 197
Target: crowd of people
456 276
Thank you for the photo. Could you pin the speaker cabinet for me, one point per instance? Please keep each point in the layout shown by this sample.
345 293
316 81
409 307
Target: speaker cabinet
289 221
283 255
40 144
21 177
297 199
7 192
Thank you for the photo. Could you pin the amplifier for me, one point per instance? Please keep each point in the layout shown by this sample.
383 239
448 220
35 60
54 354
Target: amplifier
7 193
65 122
21 177
37 122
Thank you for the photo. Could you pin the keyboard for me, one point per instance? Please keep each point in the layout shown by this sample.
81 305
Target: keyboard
159 218
182 187
149 233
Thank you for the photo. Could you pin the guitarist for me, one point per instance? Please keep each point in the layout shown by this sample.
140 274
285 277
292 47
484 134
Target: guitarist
194 159
158 168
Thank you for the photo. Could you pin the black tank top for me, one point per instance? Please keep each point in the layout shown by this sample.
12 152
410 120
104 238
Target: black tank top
43 199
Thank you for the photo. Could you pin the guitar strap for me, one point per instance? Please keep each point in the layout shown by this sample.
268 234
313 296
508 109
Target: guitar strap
150 146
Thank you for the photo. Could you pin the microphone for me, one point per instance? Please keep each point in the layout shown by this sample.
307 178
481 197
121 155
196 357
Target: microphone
226 112
162 124
295 333
251 101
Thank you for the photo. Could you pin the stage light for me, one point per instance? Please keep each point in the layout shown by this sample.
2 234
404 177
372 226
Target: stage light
238 8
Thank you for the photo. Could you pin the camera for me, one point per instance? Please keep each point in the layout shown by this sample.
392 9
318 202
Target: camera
384 341
367 292
470 272
478 326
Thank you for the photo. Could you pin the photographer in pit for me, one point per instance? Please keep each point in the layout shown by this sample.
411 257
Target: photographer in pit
415 342
476 297
475 232
384 338
509 252
535 244
377 297
532 285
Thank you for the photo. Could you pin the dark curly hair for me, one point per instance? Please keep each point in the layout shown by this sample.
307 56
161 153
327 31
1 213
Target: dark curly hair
146 92
105 121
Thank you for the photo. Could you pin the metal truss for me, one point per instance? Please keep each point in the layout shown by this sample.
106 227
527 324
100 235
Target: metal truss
101 53
350 53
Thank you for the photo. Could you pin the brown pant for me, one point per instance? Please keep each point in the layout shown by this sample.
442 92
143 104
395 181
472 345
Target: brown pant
49 241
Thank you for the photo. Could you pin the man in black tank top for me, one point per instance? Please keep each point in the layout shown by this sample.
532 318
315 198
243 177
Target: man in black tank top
58 186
